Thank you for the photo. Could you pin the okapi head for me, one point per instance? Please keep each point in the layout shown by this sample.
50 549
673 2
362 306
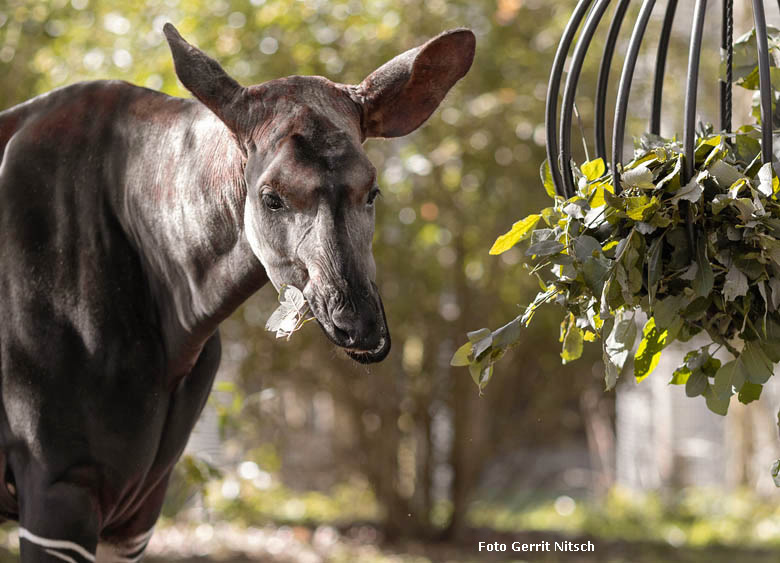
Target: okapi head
310 188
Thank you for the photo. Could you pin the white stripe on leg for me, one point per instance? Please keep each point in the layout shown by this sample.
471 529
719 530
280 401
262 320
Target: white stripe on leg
59 555
55 544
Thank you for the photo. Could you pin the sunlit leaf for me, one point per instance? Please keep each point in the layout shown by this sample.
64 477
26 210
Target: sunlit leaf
594 169
461 355
519 232
547 180
572 342
650 347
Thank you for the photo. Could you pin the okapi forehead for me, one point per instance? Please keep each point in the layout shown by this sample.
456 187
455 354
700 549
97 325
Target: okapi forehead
311 142
292 101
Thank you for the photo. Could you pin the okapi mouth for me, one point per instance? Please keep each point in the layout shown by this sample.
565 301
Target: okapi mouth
353 340
380 352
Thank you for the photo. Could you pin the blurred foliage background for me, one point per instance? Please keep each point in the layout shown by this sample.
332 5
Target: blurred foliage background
296 434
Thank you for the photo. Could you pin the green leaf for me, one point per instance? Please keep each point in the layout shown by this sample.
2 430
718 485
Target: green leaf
544 248
593 169
690 192
730 378
481 341
704 280
611 373
539 235
649 352
572 344
620 341
481 373
595 272
576 207
716 403
750 392
585 247
547 180
697 384
758 367
615 202
680 375
519 232
461 356
509 334
711 366
725 174
666 311
735 284
654 267
682 254
640 208
771 348
477 335
640 177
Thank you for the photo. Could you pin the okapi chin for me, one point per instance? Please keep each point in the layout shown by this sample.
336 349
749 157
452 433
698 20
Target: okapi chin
131 224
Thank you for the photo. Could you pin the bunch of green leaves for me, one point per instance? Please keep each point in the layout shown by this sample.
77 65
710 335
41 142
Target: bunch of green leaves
701 256
694 255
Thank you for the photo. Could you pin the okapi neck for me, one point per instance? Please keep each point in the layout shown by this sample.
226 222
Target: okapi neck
186 218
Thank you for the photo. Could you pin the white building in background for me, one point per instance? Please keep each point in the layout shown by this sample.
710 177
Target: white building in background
666 439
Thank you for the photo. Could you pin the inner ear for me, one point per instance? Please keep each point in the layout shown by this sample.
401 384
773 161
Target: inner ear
402 94
206 79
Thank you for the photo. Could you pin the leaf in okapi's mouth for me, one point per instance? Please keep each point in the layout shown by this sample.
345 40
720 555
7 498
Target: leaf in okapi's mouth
293 312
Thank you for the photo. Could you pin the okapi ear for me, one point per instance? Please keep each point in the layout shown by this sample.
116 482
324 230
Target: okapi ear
401 94
207 81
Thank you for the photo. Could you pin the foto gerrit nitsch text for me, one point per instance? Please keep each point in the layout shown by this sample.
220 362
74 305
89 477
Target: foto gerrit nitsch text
538 546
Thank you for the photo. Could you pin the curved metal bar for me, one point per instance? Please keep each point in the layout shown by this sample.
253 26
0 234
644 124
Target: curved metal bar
553 88
660 67
727 45
570 92
600 125
764 81
689 128
619 126
691 88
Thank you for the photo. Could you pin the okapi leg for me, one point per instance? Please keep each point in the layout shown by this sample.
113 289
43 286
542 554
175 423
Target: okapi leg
128 544
58 523
130 550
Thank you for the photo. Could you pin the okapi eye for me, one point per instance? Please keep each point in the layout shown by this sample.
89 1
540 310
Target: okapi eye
372 195
272 201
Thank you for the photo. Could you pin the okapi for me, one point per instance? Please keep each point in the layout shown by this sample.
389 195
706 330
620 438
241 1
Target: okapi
131 224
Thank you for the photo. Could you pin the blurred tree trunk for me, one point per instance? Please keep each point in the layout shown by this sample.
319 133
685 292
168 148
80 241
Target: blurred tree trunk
595 406
466 448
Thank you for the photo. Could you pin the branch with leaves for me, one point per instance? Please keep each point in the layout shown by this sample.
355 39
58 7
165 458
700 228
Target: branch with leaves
603 256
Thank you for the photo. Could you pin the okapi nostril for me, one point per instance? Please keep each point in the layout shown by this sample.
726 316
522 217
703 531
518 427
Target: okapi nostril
342 336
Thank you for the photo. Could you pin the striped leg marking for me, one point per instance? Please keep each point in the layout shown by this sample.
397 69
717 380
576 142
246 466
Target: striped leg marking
61 549
130 550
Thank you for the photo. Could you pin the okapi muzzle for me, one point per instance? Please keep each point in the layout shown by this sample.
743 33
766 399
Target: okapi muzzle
342 292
